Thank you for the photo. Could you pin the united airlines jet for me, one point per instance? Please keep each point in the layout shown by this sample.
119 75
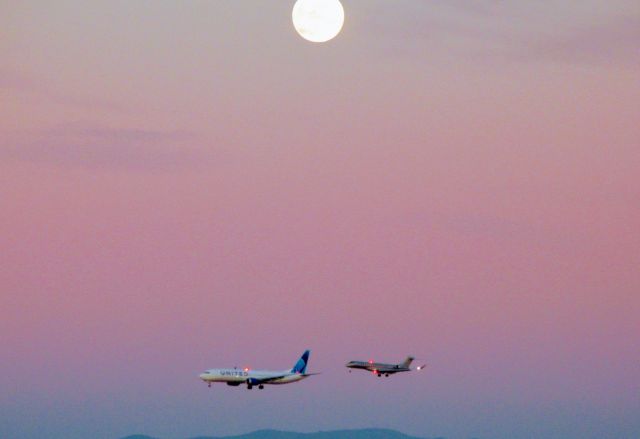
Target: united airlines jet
383 368
250 377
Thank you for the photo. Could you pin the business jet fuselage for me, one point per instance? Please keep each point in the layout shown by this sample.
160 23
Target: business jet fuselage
385 369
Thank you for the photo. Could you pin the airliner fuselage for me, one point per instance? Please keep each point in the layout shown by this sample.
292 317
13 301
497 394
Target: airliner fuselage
250 377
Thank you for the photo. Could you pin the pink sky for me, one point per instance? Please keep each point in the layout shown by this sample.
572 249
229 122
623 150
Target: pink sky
190 185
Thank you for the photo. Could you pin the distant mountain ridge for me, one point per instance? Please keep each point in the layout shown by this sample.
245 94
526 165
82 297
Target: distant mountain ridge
368 433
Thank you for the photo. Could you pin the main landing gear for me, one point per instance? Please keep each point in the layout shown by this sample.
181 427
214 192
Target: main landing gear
260 386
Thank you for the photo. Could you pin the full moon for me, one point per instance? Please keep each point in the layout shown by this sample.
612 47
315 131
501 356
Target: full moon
318 20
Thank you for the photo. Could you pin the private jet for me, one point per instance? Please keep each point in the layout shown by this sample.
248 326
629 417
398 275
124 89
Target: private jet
383 368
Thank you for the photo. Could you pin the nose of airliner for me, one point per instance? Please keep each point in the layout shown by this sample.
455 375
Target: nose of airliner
203 376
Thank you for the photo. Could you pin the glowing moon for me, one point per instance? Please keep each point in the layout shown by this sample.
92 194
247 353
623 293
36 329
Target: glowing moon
318 20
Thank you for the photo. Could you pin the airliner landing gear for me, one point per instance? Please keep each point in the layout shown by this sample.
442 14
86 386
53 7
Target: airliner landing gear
249 387
379 374
260 387
209 385
386 374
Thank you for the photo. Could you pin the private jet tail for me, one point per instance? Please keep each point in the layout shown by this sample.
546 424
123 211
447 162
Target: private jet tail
301 365
406 363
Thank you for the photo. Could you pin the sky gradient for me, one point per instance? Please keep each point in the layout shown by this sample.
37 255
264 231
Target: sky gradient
187 185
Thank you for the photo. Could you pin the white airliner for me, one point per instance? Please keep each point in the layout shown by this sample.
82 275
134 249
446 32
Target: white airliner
250 377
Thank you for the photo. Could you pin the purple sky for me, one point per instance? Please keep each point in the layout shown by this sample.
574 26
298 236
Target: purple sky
189 184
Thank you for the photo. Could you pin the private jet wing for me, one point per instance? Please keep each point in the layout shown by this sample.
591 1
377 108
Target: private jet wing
389 370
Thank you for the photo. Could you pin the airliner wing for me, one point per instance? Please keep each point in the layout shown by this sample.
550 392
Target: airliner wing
266 380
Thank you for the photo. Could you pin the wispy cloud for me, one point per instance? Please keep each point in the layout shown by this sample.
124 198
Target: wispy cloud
127 135
10 79
21 83
618 39
546 31
86 145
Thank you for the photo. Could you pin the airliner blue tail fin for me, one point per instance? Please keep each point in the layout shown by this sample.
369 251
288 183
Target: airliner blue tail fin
301 365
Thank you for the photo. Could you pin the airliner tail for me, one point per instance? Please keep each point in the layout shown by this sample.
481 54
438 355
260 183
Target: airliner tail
301 365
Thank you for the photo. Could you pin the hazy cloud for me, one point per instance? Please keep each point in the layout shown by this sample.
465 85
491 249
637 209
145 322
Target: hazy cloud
10 79
619 39
549 30
103 147
23 84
